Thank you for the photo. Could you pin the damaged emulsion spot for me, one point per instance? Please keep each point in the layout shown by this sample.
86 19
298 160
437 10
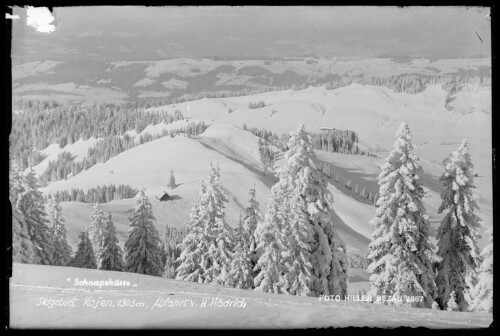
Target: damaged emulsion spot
9 16
40 18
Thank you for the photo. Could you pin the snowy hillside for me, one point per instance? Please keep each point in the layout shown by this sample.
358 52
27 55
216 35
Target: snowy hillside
435 129
334 108
221 168
374 113
78 149
32 286
436 132
149 166
158 129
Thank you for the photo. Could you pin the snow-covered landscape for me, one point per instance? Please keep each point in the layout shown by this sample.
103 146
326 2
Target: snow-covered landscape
262 310
243 205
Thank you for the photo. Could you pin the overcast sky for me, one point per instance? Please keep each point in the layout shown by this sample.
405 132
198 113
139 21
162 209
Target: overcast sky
266 31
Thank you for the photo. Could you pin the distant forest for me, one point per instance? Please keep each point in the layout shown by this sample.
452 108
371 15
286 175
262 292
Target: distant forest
332 140
38 123
98 194
42 123
411 83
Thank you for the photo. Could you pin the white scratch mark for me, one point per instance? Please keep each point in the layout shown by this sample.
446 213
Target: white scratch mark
41 19
11 17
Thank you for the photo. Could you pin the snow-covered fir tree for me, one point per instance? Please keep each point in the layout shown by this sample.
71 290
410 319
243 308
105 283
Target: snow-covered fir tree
31 205
143 246
169 268
297 254
22 247
84 256
111 258
23 250
62 250
240 269
435 306
193 247
267 157
216 230
298 229
400 253
171 181
97 230
269 269
252 218
483 300
207 248
364 193
452 304
457 235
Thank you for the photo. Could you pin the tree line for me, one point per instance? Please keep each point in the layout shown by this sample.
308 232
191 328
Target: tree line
39 124
331 140
107 148
104 194
50 121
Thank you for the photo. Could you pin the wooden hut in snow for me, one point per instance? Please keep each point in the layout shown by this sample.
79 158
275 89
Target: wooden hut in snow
166 197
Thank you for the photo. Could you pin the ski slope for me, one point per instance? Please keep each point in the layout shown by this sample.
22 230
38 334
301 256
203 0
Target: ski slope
150 303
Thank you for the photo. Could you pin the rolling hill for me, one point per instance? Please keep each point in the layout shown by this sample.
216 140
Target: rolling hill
100 80
149 166
436 132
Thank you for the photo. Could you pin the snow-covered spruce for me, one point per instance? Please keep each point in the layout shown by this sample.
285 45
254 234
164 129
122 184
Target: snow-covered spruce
143 246
84 256
171 181
31 205
216 231
298 233
452 304
207 248
483 300
96 231
193 247
267 157
297 254
169 268
400 253
252 218
457 235
240 270
22 246
111 258
269 238
62 250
